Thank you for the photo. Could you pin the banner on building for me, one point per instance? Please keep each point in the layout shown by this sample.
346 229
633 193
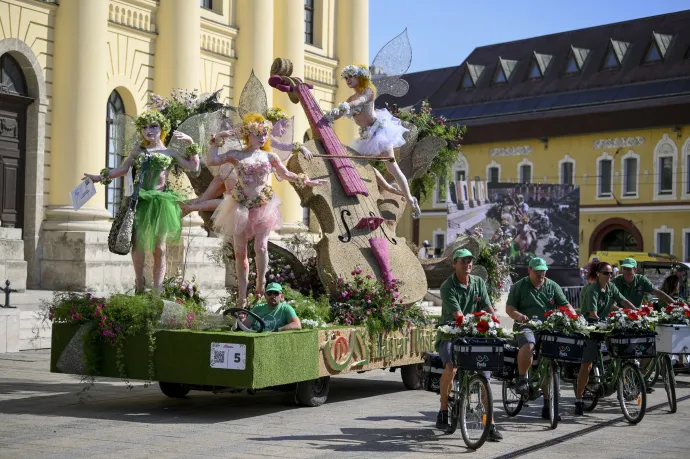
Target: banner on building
540 220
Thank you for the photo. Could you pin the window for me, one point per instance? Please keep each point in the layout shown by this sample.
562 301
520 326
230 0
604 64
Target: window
663 244
441 189
611 61
500 77
630 174
494 174
534 71
653 54
686 245
619 241
467 82
525 173
113 142
567 173
208 4
460 175
11 76
571 67
309 22
687 167
605 173
666 175
439 238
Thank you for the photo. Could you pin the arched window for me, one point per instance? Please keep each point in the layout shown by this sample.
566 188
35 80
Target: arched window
11 76
619 241
113 137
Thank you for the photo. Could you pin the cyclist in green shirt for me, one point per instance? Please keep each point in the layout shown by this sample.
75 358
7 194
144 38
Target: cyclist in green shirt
597 301
462 293
634 286
532 296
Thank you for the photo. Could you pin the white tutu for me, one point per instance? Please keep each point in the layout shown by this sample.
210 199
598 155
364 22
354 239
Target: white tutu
386 132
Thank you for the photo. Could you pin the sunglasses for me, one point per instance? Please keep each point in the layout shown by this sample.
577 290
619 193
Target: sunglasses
606 273
272 293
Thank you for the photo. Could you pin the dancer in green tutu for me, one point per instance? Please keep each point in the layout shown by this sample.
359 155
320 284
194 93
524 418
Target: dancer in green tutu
158 218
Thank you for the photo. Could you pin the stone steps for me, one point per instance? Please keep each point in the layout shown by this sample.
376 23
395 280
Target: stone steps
12 264
33 332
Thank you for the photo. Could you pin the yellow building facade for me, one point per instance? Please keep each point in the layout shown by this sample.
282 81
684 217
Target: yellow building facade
76 63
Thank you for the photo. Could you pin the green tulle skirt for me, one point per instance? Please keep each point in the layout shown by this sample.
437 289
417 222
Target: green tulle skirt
158 218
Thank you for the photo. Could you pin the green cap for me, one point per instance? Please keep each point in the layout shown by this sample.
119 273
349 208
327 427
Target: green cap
462 253
629 263
538 264
274 287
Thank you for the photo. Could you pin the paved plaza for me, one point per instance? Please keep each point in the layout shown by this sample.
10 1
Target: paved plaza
367 415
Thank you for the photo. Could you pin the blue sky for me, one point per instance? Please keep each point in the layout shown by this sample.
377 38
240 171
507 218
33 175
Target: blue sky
444 32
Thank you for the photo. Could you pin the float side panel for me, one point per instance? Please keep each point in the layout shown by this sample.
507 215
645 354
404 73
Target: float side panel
285 357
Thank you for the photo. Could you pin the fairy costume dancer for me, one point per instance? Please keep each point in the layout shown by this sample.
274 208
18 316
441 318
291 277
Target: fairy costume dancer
158 218
379 131
282 144
250 209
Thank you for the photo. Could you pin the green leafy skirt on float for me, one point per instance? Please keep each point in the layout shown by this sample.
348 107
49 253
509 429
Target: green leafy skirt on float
158 218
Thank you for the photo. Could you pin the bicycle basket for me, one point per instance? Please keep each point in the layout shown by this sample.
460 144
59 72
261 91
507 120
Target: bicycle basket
564 348
632 346
478 354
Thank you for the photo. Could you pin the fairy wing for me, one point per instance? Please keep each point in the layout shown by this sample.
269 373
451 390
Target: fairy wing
390 64
124 135
252 100
200 128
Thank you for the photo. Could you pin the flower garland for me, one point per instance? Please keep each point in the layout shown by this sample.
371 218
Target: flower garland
192 150
297 147
275 114
480 324
257 129
629 320
105 176
153 118
159 161
563 320
359 71
677 313
263 198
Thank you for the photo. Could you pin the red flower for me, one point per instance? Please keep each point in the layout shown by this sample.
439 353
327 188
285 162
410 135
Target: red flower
670 308
632 315
478 313
495 319
611 314
687 313
459 320
645 311
564 309
548 313
482 326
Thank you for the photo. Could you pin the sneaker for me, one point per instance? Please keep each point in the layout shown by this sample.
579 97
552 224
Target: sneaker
545 413
522 388
579 408
442 420
494 434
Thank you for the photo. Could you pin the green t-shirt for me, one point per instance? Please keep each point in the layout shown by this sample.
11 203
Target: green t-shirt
532 301
594 300
636 291
456 297
273 318
583 292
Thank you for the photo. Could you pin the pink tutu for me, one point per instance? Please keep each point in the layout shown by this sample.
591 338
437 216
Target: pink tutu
232 219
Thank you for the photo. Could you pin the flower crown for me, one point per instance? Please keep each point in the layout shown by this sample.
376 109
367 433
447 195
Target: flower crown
256 128
356 71
275 114
152 117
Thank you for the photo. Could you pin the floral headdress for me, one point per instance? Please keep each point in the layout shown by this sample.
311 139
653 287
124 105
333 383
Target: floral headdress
360 71
258 128
152 117
275 114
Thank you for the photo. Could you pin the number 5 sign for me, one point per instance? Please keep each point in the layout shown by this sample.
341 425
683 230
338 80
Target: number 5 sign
228 356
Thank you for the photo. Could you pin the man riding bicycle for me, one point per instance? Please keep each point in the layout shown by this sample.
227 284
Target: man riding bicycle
532 296
461 294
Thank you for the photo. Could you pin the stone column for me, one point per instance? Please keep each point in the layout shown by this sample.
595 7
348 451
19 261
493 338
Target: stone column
79 104
254 45
352 47
288 42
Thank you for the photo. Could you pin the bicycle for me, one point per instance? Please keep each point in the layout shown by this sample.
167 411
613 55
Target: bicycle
660 367
617 372
470 402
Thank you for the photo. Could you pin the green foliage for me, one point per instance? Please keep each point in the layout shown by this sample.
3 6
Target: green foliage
492 256
176 288
430 125
307 307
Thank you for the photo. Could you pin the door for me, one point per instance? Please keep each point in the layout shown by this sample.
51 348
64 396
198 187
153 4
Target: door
12 160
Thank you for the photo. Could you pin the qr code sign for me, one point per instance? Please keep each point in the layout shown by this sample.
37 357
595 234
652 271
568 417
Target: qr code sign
228 356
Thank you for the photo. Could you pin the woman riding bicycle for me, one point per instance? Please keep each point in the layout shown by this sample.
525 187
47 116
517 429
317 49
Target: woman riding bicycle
597 301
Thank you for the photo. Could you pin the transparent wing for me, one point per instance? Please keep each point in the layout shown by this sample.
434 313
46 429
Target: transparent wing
282 136
390 63
124 135
199 128
253 98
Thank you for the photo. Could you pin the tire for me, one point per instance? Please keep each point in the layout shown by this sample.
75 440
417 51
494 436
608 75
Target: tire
173 390
512 402
472 405
589 398
412 376
553 392
454 398
669 379
632 393
313 392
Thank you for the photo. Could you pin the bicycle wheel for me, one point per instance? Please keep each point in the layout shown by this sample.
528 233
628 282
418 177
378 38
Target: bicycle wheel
589 398
632 393
552 392
512 401
454 404
651 372
476 409
669 379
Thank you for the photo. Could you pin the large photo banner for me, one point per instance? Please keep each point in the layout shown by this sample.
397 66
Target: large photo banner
539 220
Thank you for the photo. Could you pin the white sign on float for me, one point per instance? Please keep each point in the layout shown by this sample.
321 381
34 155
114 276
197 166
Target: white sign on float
229 356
